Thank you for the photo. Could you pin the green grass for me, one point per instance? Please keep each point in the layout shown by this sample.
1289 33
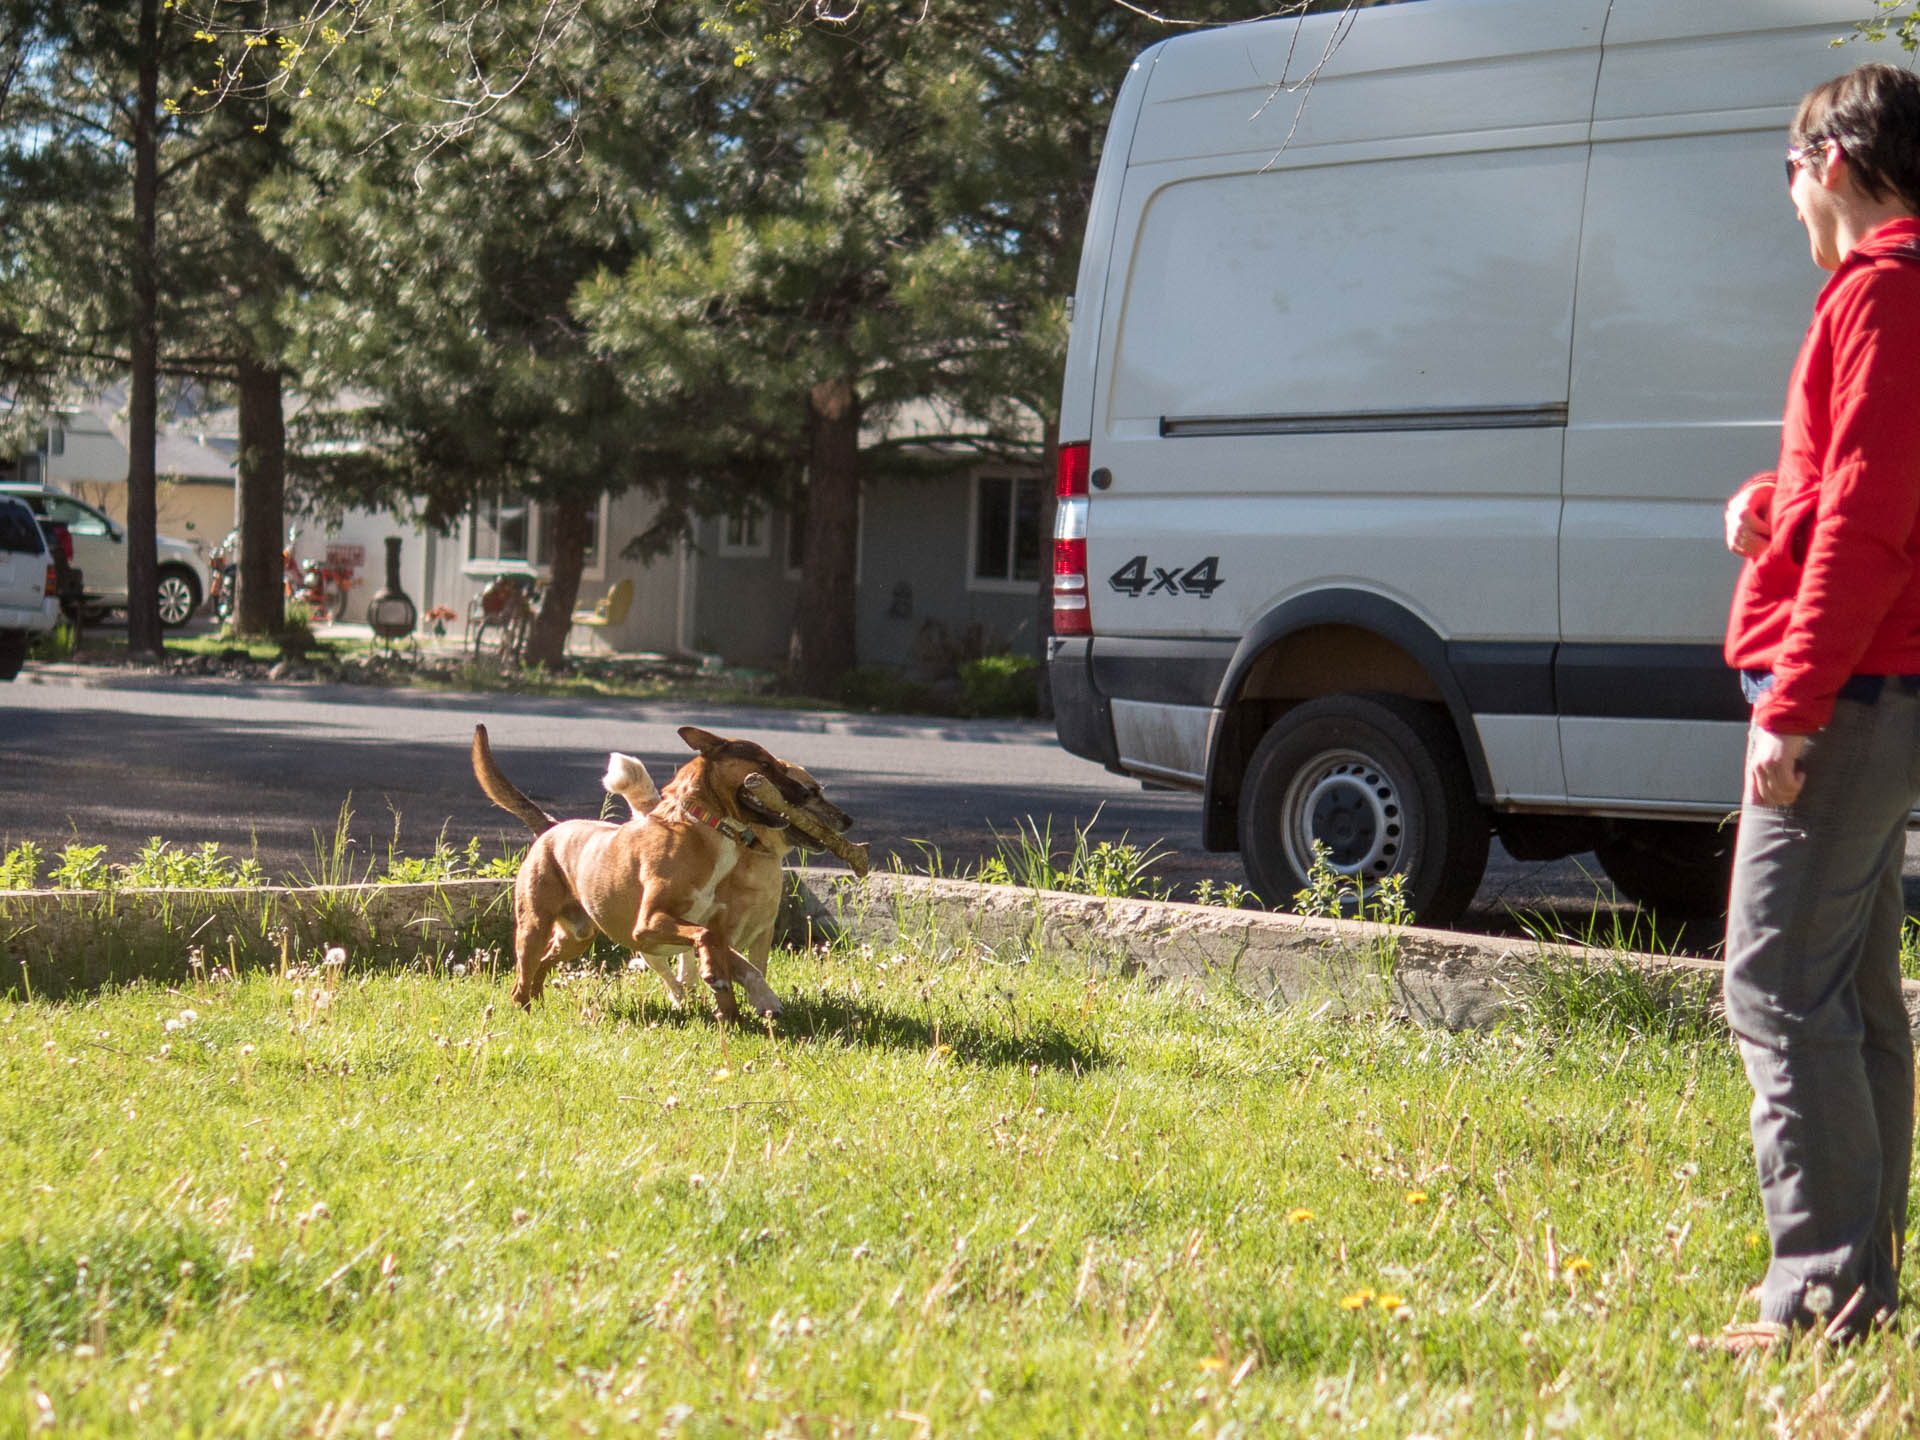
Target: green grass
163 865
956 1193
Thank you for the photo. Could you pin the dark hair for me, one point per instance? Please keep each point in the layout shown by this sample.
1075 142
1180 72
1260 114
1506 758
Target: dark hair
1874 114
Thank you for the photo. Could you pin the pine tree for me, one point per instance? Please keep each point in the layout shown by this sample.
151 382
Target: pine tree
444 267
128 163
890 209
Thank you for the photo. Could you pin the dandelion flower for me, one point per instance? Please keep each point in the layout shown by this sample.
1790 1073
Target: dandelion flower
722 1073
1388 1301
1416 1197
1211 1362
1298 1215
336 955
1358 1300
1578 1265
1753 1239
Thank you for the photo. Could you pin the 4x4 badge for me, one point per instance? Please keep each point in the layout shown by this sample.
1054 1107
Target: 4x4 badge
1137 578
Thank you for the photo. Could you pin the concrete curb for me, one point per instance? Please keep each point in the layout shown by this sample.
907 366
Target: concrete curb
61 940
1433 977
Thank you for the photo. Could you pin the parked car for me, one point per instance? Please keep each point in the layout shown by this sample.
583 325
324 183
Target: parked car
1398 418
71 583
29 585
100 551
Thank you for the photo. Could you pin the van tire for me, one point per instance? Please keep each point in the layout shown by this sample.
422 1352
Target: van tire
1383 782
1676 868
13 652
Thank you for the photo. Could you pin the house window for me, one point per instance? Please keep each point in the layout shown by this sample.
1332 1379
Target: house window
543 531
1006 530
510 530
745 533
499 529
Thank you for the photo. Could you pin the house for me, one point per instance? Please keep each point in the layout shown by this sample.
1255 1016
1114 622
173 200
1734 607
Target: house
950 562
83 451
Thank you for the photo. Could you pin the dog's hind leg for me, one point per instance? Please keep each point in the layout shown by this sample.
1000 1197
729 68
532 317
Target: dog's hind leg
539 947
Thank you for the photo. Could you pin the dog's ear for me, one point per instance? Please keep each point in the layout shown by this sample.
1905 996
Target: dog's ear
704 741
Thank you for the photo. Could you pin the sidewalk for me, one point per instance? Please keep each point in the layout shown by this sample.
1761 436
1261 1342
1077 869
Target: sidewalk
457 644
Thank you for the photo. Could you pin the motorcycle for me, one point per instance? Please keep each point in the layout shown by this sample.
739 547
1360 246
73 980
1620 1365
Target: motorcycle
223 566
316 584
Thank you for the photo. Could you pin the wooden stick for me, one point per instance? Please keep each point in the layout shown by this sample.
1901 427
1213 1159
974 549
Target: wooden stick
818 835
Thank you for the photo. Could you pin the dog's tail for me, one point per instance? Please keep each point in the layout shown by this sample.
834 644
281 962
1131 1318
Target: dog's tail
628 778
502 791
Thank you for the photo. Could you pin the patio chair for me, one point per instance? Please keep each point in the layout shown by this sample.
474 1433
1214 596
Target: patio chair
608 612
505 607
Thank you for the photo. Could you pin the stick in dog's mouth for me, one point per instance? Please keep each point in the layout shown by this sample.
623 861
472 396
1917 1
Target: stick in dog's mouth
819 836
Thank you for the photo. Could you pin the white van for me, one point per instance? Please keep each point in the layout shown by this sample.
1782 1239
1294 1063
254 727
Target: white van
1399 415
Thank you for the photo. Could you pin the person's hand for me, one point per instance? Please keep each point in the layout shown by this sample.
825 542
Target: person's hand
1774 772
1750 520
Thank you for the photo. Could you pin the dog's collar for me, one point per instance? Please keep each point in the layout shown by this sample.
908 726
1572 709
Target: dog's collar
741 835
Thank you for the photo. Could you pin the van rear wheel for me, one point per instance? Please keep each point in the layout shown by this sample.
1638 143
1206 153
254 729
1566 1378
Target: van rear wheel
1677 868
1381 782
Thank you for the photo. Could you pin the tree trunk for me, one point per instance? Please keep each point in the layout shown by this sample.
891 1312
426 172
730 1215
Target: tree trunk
823 625
261 607
143 500
572 526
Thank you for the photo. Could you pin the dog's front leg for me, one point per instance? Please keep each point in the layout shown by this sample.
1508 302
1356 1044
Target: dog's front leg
654 930
716 969
676 984
751 969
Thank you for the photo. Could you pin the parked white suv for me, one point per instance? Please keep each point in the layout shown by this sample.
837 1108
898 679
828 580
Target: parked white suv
100 554
29 591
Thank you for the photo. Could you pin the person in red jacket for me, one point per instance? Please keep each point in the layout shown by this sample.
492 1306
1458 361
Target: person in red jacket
1825 630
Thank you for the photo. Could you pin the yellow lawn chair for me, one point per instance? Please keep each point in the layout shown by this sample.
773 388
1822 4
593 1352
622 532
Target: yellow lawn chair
609 612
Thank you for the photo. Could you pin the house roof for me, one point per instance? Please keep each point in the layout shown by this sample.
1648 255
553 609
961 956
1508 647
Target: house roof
932 424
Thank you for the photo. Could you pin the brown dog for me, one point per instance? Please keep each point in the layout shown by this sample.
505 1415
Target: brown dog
697 867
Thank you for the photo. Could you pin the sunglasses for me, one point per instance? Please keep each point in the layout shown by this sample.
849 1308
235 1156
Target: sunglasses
1798 155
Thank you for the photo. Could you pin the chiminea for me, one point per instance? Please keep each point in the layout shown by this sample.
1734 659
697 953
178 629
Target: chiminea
390 613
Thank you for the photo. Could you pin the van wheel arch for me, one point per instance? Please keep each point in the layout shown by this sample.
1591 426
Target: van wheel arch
1326 643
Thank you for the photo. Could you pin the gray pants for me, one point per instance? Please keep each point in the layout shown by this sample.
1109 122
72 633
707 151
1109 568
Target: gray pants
1813 996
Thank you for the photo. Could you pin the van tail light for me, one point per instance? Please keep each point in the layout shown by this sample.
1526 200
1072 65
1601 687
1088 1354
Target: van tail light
1070 614
65 537
53 581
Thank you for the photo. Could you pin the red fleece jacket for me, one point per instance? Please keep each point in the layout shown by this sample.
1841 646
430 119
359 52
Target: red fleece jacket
1837 590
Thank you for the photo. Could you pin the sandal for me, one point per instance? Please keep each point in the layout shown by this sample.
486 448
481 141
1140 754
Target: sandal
1761 1337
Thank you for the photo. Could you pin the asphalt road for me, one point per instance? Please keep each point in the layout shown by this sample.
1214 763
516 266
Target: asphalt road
114 758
